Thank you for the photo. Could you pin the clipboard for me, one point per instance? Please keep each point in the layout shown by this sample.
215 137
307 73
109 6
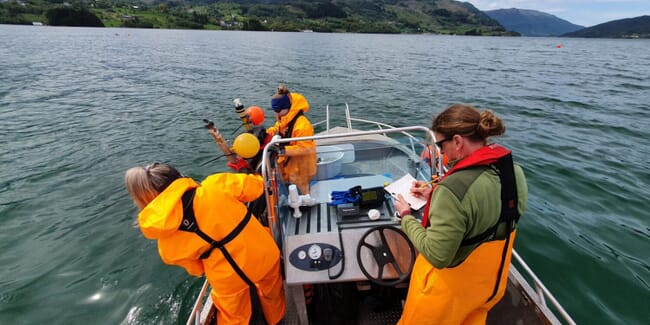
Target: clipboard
403 186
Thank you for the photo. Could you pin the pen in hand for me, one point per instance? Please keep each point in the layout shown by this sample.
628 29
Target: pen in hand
425 185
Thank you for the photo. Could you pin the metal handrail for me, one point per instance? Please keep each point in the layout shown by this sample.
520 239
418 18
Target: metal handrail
349 119
542 292
347 116
195 315
440 169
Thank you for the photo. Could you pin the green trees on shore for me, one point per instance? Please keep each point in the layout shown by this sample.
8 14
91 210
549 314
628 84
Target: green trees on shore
360 16
72 17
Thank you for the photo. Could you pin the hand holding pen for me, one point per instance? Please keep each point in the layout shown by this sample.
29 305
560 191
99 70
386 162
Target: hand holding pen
422 189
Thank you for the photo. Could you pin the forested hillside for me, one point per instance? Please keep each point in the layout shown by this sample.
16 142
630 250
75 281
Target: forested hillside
361 16
638 27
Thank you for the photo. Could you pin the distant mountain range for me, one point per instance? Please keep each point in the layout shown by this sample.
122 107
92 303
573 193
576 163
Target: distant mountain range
638 27
532 22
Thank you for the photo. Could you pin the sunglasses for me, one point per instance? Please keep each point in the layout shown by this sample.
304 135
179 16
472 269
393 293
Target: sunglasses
441 142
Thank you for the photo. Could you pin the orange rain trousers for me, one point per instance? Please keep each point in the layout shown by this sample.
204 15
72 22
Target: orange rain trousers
235 307
457 295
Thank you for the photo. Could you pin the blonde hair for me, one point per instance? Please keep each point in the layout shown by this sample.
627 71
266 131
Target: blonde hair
467 121
145 183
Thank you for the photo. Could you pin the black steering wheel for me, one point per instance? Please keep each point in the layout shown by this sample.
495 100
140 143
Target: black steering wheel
383 255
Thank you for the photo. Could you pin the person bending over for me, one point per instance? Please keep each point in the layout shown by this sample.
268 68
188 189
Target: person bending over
206 228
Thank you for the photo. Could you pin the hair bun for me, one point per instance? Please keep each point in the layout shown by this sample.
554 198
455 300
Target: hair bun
282 89
489 124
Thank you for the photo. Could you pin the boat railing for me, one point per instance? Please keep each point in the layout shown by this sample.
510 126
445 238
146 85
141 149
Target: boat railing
413 140
349 119
195 315
541 293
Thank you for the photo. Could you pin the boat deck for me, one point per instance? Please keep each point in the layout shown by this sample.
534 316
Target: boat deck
378 306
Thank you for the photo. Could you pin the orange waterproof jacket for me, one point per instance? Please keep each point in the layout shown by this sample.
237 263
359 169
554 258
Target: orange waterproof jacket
219 209
299 165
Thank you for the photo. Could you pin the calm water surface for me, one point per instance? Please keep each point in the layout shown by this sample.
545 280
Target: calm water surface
80 106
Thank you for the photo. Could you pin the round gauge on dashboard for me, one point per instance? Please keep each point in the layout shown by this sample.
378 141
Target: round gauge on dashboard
314 252
302 255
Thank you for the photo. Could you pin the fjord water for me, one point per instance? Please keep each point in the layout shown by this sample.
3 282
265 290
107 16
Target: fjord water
79 106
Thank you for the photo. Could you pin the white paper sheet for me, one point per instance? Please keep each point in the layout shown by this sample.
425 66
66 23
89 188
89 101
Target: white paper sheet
403 186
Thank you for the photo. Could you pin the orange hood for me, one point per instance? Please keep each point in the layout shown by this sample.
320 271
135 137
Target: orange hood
162 216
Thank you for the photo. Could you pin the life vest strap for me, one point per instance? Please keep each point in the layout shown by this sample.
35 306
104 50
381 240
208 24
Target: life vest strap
189 224
509 212
287 133
221 243
485 236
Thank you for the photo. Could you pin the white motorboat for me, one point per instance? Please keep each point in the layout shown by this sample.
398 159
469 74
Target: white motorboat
359 266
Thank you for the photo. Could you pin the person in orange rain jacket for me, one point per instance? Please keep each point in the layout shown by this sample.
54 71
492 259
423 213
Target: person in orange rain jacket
207 228
298 163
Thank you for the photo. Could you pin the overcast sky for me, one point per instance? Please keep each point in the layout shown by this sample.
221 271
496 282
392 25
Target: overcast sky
580 12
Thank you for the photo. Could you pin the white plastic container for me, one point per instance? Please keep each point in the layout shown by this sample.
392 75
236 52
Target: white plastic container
329 164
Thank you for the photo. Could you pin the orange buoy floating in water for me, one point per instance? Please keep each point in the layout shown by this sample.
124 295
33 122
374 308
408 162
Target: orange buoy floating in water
559 46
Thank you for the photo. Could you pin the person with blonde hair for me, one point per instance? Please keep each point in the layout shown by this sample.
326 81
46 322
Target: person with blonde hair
298 162
206 228
468 229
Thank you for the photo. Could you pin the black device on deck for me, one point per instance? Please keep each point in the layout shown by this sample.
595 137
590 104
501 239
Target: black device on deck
369 197
348 210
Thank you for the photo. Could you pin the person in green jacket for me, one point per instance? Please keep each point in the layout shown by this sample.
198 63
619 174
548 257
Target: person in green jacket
465 238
